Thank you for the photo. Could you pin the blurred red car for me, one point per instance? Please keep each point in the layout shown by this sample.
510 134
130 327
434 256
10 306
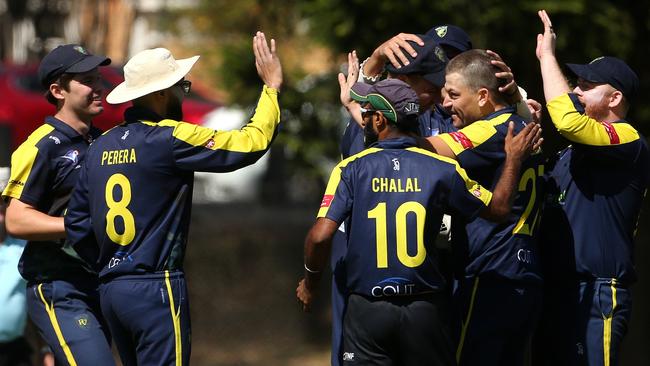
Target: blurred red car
23 106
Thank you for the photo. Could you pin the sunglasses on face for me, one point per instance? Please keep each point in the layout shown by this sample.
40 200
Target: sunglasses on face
367 113
186 85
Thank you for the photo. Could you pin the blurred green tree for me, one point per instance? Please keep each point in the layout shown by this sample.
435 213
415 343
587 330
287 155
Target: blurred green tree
324 30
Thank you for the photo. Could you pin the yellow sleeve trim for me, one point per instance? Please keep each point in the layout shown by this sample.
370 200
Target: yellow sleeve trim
335 179
580 128
22 161
255 136
473 135
472 187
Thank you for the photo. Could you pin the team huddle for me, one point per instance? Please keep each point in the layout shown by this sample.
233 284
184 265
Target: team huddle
537 264
451 239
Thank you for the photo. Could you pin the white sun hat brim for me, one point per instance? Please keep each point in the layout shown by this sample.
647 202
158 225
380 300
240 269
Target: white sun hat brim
150 71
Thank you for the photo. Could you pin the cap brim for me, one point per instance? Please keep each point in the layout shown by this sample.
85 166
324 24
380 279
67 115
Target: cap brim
585 72
88 64
360 91
436 78
124 93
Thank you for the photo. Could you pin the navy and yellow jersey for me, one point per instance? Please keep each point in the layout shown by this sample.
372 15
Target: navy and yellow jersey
501 250
44 170
596 188
432 122
130 212
435 121
395 195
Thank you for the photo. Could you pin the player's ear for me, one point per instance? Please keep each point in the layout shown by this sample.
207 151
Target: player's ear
483 96
615 99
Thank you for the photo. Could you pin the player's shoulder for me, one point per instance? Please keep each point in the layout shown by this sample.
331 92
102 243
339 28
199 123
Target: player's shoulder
358 157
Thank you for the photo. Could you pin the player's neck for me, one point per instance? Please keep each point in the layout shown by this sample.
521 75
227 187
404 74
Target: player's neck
78 123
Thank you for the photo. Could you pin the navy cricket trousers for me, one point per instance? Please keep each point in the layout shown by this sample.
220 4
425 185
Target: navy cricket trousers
68 317
149 318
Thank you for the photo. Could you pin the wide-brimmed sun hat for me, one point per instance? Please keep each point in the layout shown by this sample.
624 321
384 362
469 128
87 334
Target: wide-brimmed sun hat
150 71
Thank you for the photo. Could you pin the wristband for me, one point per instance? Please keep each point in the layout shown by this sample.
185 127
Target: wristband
311 270
368 79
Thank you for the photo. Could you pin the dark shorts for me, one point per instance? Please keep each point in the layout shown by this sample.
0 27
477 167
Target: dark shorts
410 330
15 353
69 319
339 293
583 322
149 318
496 321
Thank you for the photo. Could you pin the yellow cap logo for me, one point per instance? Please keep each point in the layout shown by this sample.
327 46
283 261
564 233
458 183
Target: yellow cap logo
441 31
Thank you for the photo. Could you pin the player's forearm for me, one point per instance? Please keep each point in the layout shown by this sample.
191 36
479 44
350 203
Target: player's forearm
27 223
373 65
504 192
317 250
555 84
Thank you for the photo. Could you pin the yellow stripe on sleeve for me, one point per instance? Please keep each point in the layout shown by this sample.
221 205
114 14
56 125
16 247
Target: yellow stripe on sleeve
22 161
49 308
176 319
473 135
579 128
472 186
335 179
255 136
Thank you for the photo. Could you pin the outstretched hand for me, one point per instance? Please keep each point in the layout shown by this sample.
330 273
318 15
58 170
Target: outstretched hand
267 62
545 41
527 141
346 82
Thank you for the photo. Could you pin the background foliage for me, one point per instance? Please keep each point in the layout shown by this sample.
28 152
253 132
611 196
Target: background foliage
314 35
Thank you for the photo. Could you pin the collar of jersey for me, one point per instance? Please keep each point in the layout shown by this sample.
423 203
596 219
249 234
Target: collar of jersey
511 110
68 131
395 143
135 114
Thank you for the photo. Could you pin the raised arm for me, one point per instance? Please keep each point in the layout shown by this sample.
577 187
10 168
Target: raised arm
555 84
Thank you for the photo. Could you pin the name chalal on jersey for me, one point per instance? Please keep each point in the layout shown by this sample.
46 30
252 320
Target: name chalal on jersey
124 156
391 185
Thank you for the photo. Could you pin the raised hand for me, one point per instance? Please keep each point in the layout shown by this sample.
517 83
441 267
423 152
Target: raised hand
545 41
267 62
346 82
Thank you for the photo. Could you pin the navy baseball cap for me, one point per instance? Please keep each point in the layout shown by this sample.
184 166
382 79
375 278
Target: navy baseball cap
393 97
69 58
609 70
452 36
430 62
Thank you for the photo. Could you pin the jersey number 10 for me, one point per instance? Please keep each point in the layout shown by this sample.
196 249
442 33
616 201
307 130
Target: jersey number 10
379 215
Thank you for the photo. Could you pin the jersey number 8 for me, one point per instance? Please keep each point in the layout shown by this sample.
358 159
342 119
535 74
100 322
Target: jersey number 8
119 209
